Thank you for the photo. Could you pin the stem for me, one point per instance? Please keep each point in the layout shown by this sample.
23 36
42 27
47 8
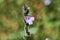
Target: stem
26 28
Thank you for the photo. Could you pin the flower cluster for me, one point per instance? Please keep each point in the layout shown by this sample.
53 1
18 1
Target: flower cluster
47 2
29 19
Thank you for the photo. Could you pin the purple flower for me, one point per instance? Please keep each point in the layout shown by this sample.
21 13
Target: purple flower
29 19
47 2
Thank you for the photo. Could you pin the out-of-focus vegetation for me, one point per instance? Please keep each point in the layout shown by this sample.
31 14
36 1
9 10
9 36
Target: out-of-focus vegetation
46 24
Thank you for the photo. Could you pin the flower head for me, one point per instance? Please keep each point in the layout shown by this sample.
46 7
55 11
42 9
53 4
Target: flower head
47 39
29 19
47 2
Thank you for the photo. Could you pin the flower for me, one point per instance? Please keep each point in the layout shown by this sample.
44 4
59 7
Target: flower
29 19
47 2
47 39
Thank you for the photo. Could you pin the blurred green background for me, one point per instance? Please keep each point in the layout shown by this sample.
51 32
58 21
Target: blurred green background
46 24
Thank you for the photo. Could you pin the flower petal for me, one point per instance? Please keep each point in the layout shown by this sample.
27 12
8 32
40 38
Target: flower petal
32 18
